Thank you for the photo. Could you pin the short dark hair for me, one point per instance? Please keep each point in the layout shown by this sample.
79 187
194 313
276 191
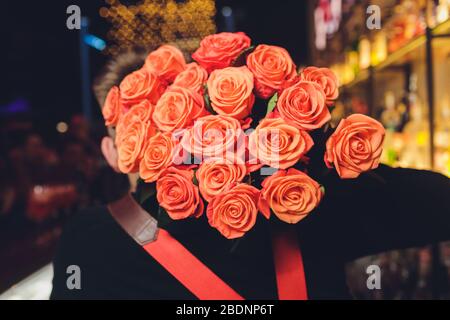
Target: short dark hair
115 70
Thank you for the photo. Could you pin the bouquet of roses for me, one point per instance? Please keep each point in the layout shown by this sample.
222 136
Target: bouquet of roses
235 133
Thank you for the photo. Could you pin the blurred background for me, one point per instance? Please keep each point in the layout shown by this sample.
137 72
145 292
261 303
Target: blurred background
51 125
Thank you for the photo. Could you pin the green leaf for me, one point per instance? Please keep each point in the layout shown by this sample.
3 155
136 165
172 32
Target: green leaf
272 103
242 57
207 100
194 178
322 188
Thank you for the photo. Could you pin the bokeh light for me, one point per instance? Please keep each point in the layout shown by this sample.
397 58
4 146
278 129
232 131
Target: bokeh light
150 23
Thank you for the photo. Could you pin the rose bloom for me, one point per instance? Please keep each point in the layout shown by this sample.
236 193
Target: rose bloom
214 177
272 67
140 112
355 146
192 78
326 79
166 62
304 104
278 144
157 156
214 136
219 50
178 108
112 107
131 143
178 195
230 91
140 85
234 211
291 195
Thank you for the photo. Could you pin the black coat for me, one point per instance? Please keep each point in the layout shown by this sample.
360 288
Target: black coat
395 209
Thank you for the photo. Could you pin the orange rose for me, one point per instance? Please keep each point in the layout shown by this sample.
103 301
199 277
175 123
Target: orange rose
234 211
291 195
157 156
141 112
214 136
355 146
140 85
326 79
278 144
219 50
214 177
177 194
193 78
272 67
112 108
230 92
131 144
304 105
178 108
166 62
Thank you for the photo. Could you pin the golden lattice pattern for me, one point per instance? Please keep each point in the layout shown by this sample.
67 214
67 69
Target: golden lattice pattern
149 23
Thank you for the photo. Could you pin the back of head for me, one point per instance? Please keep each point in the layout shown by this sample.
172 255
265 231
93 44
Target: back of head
115 70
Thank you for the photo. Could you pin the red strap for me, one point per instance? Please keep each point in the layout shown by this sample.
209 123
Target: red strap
289 268
187 269
194 275
191 272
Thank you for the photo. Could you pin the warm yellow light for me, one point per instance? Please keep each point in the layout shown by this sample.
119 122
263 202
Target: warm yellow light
62 127
150 23
422 138
104 12
379 49
364 53
442 11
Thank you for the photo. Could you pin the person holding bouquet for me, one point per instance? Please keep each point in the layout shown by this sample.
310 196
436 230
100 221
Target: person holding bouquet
240 187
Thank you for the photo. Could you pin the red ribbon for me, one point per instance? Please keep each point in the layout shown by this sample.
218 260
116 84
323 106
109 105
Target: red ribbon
206 285
187 269
289 267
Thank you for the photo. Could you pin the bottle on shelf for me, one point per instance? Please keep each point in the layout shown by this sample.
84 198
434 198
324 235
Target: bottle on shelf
442 138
